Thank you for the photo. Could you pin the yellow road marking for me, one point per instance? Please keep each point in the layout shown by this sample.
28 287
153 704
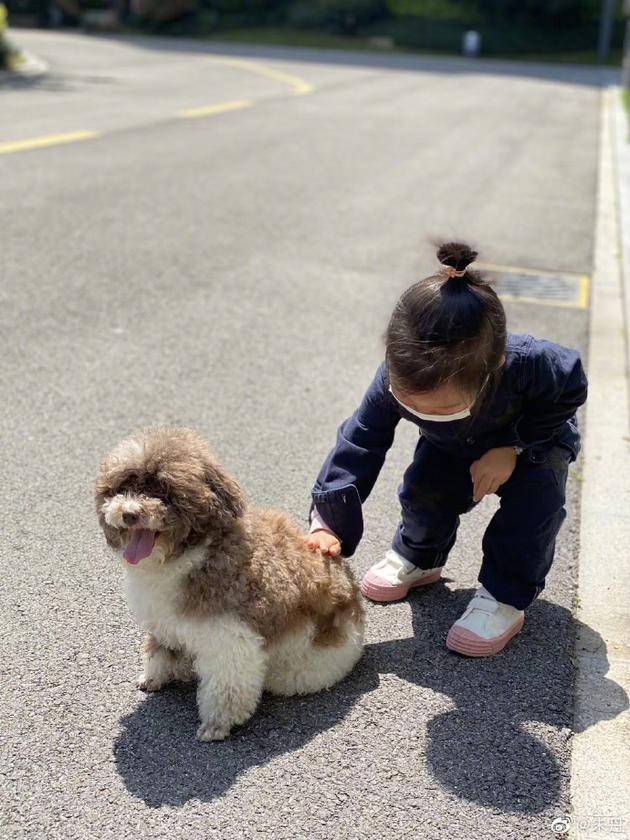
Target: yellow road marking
51 140
300 86
220 108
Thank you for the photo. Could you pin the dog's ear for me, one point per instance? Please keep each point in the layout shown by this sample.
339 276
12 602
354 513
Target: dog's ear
226 496
202 493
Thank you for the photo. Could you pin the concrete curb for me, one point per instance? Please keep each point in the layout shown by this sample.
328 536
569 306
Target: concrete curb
600 781
622 148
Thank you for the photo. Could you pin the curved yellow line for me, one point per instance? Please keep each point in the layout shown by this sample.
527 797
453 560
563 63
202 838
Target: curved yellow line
300 86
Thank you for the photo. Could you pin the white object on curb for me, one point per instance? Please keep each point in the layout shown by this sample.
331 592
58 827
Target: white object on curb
471 43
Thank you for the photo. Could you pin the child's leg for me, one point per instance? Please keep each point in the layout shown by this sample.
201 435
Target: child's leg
519 543
436 489
518 549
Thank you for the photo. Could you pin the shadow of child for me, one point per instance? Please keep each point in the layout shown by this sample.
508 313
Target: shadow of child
489 749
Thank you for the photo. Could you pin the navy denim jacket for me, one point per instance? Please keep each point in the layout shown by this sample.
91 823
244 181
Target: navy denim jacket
541 387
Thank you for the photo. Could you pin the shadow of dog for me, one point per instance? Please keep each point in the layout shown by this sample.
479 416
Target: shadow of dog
488 750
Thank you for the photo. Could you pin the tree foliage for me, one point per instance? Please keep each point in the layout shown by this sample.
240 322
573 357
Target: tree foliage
528 12
541 12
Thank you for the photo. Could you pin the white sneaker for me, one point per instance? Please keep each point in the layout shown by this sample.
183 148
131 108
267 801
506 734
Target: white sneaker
486 626
393 576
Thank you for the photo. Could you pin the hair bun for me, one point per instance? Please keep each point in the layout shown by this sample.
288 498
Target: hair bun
457 255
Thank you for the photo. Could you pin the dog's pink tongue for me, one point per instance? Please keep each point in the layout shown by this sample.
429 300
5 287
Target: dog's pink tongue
139 546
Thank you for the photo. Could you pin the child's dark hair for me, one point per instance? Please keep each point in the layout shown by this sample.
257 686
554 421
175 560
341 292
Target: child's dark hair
447 328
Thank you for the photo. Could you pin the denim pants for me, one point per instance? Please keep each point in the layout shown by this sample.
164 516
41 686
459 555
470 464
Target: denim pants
519 542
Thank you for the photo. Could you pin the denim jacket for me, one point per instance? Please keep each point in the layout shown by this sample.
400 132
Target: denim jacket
541 387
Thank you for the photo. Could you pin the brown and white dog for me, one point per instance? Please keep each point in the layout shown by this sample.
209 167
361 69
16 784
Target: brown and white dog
229 594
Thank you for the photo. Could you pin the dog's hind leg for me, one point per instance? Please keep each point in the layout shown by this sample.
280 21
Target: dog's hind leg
161 665
299 664
231 663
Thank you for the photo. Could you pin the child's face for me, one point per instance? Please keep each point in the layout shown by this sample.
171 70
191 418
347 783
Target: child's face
447 399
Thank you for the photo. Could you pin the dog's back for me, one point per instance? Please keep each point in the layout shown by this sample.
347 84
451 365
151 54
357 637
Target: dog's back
275 583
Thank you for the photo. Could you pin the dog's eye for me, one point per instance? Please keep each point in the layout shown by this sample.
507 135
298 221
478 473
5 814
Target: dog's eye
155 490
129 483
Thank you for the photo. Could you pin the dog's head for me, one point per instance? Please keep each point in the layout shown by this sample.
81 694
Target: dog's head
161 492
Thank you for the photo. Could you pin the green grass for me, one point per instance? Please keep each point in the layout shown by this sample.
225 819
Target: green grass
285 36
291 38
578 57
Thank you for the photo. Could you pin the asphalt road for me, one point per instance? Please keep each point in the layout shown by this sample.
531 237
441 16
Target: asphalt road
235 273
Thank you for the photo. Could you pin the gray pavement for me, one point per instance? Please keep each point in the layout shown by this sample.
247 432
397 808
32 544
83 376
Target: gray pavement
235 274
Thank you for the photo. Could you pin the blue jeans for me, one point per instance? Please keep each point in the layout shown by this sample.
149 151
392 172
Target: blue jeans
519 543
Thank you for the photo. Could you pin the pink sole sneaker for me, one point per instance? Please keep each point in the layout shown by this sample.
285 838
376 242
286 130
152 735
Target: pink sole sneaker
470 644
385 592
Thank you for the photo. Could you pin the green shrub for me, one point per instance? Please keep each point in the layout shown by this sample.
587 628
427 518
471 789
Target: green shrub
498 38
453 10
507 27
416 33
345 17
243 13
305 14
348 16
571 13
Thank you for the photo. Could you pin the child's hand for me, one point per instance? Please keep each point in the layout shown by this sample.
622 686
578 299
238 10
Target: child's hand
492 470
326 542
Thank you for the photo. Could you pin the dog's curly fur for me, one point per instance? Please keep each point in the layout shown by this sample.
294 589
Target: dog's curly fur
228 593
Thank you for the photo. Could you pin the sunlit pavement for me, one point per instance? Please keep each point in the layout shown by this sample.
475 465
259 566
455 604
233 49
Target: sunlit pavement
221 248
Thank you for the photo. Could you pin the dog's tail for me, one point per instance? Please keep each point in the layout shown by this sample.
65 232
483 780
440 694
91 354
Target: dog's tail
334 631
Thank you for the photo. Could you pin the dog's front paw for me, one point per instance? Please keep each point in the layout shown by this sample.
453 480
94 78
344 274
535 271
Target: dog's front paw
144 683
212 732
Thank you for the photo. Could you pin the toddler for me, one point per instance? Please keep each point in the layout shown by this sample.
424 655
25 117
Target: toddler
496 414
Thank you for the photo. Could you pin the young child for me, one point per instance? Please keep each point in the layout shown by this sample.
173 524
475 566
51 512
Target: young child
496 414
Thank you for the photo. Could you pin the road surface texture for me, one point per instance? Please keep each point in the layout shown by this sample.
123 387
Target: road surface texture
232 269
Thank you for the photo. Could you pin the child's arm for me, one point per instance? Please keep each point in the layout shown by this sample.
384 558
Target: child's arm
554 386
352 467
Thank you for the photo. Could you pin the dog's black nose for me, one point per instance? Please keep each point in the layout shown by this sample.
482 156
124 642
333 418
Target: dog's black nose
130 518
